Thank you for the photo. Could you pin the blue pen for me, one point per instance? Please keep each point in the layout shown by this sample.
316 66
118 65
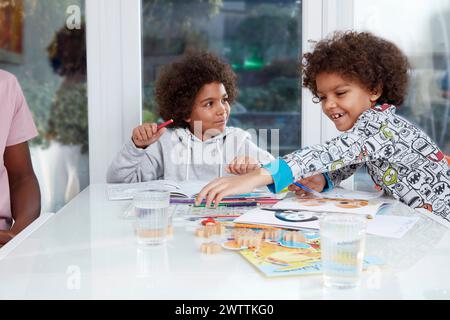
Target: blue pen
314 192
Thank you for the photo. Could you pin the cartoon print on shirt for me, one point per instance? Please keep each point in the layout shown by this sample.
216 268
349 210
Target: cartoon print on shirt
387 151
337 165
387 133
426 190
390 176
400 149
427 149
407 135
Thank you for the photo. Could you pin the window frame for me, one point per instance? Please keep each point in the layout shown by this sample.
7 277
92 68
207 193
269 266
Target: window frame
114 79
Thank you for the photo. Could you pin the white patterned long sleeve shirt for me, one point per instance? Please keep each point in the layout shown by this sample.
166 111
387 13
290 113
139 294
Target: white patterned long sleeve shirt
401 159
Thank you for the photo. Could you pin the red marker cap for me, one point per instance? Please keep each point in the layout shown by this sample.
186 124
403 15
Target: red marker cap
209 220
162 125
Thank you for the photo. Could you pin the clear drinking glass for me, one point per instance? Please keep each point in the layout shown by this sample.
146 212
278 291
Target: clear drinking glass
342 239
152 216
151 260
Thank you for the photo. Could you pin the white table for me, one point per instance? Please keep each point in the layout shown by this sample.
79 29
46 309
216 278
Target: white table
86 252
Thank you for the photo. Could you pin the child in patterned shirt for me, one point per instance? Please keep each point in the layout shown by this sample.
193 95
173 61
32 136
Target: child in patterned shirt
359 79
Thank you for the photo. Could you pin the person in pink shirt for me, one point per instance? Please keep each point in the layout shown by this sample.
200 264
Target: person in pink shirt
20 198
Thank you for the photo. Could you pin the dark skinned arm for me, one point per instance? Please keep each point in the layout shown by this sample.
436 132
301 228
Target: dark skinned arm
24 189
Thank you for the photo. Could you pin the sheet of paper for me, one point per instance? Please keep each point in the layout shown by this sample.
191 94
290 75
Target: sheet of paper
182 189
382 225
192 187
366 207
391 226
125 191
263 217
341 193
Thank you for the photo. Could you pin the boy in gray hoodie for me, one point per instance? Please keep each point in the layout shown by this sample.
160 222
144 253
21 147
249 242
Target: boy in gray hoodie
196 92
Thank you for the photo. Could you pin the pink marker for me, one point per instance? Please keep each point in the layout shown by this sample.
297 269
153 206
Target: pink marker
162 125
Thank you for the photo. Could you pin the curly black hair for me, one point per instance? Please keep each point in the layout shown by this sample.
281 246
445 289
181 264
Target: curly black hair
67 51
371 61
179 83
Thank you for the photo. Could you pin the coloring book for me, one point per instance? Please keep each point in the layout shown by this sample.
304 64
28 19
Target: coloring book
178 189
291 259
383 225
183 189
357 206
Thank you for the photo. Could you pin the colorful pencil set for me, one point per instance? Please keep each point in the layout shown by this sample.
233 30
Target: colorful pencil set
231 202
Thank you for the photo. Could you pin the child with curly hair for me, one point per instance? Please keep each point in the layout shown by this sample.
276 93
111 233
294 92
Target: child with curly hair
359 79
196 92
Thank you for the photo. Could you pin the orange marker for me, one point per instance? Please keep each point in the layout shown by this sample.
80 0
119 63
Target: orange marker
162 125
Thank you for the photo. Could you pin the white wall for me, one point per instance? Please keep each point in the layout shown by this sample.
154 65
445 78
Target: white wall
114 78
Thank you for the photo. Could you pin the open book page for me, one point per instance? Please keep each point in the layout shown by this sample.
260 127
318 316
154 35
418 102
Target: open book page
125 191
342 193
356 206
389 226
183 189
275 260
268 217
189 189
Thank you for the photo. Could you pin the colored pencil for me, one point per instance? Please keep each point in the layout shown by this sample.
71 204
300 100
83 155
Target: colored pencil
255 226
314 192
245 204
224 201
162 125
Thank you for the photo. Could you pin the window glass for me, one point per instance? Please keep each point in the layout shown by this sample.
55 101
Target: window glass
260 39
43 44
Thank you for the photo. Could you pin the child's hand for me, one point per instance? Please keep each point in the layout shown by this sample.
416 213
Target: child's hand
316 183
216 190
242 165
146 134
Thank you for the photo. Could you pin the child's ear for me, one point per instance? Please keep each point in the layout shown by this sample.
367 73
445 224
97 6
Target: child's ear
376 93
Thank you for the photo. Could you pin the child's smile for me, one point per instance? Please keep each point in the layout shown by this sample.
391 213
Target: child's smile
343 101
338 118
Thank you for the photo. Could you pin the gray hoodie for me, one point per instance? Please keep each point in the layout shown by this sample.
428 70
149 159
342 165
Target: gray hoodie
179 155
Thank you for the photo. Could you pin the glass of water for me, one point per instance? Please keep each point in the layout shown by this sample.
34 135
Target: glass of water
151 208
342 240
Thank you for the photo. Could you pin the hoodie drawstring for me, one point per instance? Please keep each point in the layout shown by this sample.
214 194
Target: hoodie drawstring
189 154
188 158
220 157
